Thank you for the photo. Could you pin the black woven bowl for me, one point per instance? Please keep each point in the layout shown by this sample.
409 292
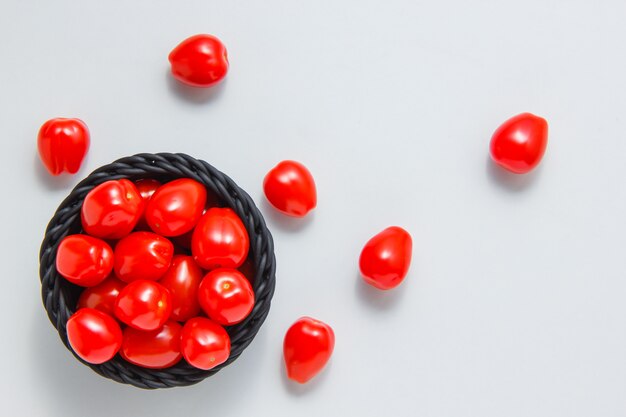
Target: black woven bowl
60 296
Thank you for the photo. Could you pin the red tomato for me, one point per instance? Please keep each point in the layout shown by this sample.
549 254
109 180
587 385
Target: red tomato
176 207
199 61
226 296
144 305
112 209
204 343
84 260
156 349
102 296
146 188
182 281
308 345
220 240
63 144
94 336
386 258
519 143
290 188
142 255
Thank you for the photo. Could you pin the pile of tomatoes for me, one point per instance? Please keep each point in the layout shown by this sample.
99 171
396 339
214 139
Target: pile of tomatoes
164 270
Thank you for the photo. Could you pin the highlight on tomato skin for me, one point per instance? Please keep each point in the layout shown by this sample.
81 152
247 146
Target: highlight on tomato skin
386 258
307 348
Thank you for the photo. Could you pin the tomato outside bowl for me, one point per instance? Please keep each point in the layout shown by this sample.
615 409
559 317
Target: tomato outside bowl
60 296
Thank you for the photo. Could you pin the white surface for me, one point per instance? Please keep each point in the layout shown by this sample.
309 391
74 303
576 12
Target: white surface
515 301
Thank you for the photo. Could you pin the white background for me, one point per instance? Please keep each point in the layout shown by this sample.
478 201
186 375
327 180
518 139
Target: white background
515 302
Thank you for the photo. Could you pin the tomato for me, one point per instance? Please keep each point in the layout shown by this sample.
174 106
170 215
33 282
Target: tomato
93 335
144 305
142 255
146 188
155 349
182 281
220 240
307 347
204 343
199 61
386 258
290 188
63 144
84 260
112 209
519 143
226 296
176 207
102 296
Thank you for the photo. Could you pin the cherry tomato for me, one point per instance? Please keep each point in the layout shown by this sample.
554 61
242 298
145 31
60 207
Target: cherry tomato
204 343
308 345
112 209
386 258
63 144
146 188
93 335
142 255
176 207
220 240
226 296
84 260
290 188
144 305
102 297
519 143
199 61
155 349
182 281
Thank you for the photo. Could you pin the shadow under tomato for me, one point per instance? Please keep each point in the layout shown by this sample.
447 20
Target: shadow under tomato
54 182
508 180
68 388
284 222
196 95
297 389
379 299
